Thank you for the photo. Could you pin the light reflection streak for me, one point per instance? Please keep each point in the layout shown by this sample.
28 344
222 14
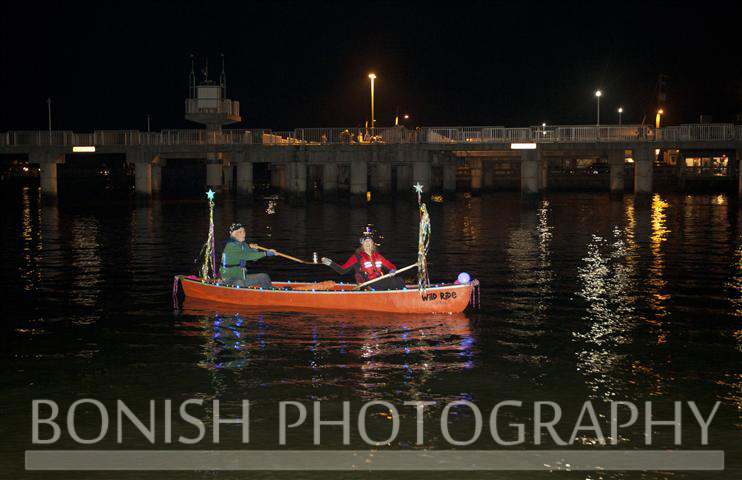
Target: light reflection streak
529 258
607 285
32 239
86 260
658 295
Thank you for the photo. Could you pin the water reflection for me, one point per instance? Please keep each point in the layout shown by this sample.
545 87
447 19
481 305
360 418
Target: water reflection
32 242
606 284
371 350
529 258
658 295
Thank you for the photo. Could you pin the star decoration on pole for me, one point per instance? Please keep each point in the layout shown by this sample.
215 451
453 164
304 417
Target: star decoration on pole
210 195
418 188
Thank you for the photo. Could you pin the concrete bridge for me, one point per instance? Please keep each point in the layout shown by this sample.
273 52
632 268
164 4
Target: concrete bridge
371 158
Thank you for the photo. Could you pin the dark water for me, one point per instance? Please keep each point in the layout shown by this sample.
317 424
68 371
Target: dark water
582 299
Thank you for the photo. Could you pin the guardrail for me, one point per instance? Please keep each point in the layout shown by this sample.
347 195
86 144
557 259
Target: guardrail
389 135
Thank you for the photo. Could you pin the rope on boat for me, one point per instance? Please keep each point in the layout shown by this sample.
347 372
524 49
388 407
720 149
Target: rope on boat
475 294
176 281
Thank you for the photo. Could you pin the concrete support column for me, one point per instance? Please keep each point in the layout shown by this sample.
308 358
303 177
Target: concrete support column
449 177
543 171
143 179
245 186
358 179
47 162
529 173
404 179
214 171
488 182
298 183
382 182
476 176
228 175
422 172
156 178
616 165
48 179
330 181
643 166
278 173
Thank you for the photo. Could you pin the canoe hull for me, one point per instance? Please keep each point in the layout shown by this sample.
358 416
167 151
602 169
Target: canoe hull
436 299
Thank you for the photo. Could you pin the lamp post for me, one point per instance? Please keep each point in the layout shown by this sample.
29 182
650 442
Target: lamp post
598 94
372 76
660 112
49 109
620 111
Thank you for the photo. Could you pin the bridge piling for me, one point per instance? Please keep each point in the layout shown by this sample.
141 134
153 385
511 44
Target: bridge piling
449 178
358 179
476 176
616 159
529 173
643 166
245 186
214 171
330 181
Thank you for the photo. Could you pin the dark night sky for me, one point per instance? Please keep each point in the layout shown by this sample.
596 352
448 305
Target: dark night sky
294 64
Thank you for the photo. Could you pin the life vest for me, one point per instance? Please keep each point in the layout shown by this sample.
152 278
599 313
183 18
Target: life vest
368 267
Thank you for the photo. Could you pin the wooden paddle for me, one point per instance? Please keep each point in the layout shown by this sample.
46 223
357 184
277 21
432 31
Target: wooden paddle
258 247
358 287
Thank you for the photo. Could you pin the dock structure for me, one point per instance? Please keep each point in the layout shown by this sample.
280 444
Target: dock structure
386 160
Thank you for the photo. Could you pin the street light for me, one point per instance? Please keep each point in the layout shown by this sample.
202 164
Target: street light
660 112
49 108
620 111
372 76
598 93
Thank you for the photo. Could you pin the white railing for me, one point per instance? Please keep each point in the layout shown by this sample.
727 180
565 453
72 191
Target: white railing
386 135
700 132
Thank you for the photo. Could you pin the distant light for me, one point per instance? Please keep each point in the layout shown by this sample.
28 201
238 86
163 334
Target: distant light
543 124
25 169
522 146
372 76
620 110
598 93
661 112
81 149
368 196
406 117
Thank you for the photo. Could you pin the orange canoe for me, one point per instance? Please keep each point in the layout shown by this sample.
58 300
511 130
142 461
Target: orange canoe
435 299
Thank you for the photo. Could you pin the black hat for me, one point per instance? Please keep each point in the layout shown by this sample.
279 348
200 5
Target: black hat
234 227
369 232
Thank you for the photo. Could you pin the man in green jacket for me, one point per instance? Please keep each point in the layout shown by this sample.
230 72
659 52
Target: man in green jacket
235 257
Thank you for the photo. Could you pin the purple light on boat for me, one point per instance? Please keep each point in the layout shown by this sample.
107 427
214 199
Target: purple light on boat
463 278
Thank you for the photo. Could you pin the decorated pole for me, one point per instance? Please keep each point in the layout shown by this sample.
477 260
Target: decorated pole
423 241
208 266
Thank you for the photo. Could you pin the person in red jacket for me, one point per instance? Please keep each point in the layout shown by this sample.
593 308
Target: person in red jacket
368 263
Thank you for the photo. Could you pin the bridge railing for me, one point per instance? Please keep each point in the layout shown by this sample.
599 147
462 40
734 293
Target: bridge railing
701 132
388 135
